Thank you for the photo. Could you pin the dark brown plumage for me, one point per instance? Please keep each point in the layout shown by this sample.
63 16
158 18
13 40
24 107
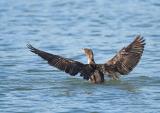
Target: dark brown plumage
121 64
97 76
128 57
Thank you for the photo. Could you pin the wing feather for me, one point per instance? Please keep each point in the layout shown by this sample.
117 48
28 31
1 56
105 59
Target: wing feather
128 57
69 66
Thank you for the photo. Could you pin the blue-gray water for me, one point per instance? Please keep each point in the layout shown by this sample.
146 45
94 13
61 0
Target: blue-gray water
29 85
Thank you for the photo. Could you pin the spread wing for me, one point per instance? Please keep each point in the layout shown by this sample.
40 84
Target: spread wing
128 57
69 66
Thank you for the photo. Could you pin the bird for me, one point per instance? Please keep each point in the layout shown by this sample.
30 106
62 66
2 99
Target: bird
122 63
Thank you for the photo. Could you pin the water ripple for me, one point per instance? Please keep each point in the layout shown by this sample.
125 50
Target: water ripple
28 84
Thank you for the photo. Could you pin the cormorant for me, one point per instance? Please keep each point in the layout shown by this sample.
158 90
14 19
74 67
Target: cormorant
121 64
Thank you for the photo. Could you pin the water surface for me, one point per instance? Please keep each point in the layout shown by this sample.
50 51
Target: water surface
29 85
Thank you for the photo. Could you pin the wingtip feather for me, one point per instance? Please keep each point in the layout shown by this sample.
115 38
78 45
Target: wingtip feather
31 48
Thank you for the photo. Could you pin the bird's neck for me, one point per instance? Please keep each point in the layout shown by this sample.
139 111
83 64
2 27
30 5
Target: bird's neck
91 60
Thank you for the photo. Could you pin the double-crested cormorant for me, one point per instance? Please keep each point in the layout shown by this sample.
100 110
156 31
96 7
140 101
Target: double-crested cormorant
121 64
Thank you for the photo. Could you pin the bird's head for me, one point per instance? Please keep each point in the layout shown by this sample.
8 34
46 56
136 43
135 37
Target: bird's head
88 52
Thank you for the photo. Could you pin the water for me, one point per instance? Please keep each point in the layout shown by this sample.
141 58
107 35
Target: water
29 85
